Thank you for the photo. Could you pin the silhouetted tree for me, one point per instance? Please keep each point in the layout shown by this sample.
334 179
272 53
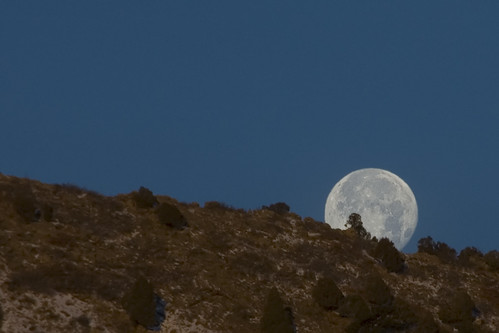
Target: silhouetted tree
279 208
276 317
468 255
426 245
217 205
444 252
355 222
144 198
492 259
389 255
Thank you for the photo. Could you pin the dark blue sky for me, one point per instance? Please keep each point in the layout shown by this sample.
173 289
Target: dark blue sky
255 102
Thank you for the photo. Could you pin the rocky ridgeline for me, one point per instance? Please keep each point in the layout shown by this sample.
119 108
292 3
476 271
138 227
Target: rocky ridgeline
73 260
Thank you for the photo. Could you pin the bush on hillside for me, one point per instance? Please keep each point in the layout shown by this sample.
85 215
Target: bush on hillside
171 216
427 324
217 205
426 245
25 203
327 294
468 256
458 310
403 318
276 317
389 256
75 189
444 252
356 307
144 198
47 212
280 208
377 294
80 323
140 303
371 312
492 259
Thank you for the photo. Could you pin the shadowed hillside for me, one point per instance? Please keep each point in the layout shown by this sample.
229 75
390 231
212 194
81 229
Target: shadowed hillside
72 260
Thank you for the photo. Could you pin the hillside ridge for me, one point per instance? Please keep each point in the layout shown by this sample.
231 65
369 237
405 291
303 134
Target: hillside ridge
75 260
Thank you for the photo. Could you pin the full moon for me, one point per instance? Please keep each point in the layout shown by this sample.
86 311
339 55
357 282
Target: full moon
384 201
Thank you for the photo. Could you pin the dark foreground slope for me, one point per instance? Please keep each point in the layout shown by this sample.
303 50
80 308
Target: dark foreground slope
70 258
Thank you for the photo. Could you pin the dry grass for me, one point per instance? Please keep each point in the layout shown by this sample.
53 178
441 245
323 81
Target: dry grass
215 274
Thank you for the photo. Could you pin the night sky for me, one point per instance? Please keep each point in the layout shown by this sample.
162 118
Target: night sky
255 102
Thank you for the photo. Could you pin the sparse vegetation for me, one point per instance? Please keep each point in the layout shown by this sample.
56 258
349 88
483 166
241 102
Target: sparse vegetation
214 273
171 216
327 294
276 317
75 189
67 277
252 264
217 206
